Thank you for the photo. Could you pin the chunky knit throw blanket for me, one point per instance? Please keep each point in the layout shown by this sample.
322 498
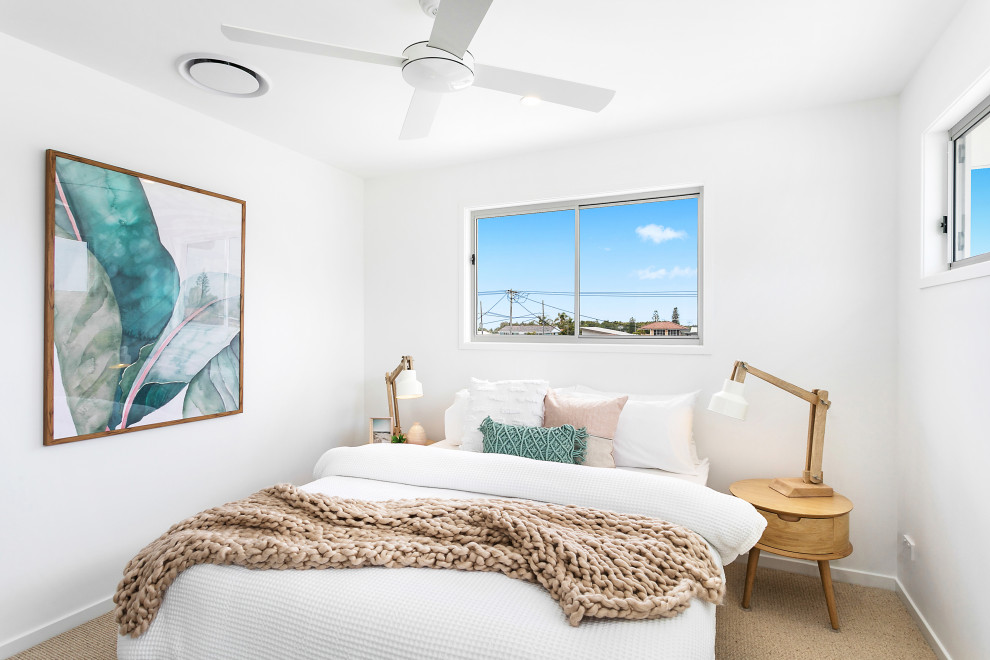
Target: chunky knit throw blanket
594 563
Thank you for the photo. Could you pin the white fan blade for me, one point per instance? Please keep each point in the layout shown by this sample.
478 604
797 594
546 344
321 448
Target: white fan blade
419 117
259 38
554 90
455 24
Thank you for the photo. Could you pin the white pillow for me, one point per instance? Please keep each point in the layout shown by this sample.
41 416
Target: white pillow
589 391
453 418
518 402
656 434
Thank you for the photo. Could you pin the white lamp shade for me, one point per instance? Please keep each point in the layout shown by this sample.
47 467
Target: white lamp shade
406 385
730 400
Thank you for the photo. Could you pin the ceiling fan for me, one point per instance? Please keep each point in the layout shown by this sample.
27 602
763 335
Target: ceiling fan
442 65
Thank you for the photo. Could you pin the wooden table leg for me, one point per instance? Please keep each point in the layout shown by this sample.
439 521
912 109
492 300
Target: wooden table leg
754 559
826 573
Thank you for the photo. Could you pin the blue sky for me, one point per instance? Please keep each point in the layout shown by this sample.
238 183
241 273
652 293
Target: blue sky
635 258
979 239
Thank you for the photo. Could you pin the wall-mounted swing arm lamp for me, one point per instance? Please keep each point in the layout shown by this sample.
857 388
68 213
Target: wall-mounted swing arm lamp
401 383
731 402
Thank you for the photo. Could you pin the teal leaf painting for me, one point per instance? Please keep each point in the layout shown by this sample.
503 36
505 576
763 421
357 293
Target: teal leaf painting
87 337
111 213
143 301
150 397
200 327
126 383
216 388
65 225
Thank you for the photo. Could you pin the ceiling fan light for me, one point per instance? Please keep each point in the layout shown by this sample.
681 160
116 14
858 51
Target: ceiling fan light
434 70
531 100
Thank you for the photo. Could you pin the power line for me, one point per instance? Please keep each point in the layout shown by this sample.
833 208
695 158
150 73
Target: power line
612 294
519 296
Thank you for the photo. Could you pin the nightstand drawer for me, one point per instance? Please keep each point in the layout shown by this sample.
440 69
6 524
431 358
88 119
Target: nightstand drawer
817 536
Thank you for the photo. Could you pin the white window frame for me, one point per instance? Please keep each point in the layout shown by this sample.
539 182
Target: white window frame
980 115
575 205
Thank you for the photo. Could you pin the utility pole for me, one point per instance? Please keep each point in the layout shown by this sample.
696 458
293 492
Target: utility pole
543 317
511 294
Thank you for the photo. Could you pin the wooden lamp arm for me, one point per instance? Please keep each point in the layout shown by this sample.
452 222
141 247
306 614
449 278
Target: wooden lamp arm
740 369
393 404
816 420
405 363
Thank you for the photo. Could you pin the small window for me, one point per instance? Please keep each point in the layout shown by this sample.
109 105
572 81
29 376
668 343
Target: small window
604 270
969 227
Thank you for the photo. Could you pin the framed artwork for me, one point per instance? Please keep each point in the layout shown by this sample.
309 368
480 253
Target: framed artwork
380 429
144 301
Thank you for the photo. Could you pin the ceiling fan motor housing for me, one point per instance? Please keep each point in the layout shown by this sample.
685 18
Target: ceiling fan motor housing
435 70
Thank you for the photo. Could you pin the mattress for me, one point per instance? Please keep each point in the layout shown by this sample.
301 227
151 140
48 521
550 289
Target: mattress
233 612
700 478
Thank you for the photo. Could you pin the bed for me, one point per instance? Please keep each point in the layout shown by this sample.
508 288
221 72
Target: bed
232 612
699 477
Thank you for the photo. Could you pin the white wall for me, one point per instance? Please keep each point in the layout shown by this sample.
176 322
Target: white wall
74 514
944 358
799 272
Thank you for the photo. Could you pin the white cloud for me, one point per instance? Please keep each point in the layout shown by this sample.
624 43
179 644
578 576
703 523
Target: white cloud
651 273
659 233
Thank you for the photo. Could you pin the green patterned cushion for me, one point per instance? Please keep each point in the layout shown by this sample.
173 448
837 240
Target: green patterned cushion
563 444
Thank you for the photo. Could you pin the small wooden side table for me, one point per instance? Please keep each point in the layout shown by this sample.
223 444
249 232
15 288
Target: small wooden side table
814 528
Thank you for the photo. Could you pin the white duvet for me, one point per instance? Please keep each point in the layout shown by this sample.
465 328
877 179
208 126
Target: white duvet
233 612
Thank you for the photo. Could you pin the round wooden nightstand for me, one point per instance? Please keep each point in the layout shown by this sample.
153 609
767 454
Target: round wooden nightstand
814 528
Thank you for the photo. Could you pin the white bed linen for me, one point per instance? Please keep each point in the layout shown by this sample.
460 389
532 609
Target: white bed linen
233 612
700 476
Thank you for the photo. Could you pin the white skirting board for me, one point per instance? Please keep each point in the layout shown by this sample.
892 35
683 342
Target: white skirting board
926 631
862 578
38 635
839 574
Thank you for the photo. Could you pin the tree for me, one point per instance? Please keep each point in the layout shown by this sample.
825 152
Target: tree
631 326
545 324
203 283
675 316
200 293
565 323
656 316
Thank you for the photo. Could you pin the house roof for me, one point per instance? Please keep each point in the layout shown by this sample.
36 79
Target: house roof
529 328
592 330
664 325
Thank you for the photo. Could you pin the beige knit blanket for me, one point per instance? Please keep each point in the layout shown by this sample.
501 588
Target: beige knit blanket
594 563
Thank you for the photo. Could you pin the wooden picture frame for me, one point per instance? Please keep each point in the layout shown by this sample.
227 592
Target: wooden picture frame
144 301
379 430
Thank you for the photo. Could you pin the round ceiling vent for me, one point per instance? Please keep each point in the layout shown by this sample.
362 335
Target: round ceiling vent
223 76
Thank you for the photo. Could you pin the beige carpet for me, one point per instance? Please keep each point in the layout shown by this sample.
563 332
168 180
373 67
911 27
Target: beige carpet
787 620
93 640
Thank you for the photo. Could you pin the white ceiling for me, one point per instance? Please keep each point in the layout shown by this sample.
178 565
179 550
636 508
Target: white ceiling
671 62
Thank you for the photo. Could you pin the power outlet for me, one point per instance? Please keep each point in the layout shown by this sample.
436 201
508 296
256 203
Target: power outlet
907 544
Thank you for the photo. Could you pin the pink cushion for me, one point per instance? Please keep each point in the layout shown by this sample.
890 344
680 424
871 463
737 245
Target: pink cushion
598 416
